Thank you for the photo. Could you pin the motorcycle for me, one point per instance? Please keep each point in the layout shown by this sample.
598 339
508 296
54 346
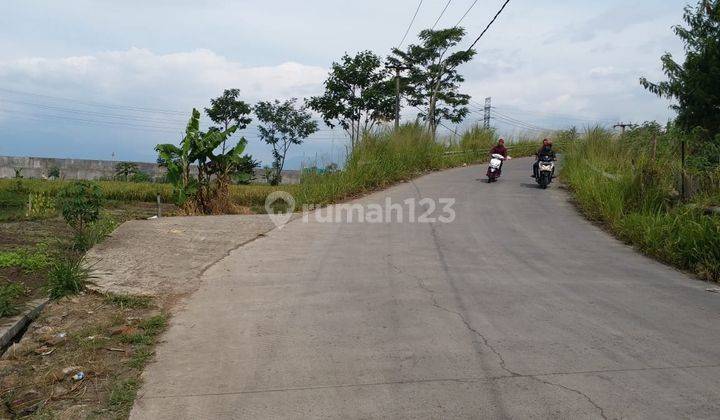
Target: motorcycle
494 169
546 171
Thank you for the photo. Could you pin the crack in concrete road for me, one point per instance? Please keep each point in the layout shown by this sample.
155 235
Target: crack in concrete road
469 327
576 391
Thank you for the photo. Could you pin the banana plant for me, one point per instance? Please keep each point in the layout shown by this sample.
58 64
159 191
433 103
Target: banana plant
178 161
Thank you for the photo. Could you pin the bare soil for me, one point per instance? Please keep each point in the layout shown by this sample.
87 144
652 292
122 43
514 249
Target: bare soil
81 358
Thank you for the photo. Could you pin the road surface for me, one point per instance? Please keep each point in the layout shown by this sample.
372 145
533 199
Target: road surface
519 308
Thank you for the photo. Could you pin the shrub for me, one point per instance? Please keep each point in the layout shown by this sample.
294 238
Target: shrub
68 276
94 233
8 295
80 204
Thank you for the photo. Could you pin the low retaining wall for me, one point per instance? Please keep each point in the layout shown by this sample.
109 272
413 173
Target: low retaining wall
38 167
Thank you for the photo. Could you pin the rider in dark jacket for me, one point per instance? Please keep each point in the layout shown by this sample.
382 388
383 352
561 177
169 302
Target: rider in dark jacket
545 151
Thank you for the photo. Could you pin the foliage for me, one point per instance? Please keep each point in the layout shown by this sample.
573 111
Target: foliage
127 191
432 82
94 233
40 206
140 176
68 276
8 295
695 84
80 203
28 261
617 181
18 173
177 160
124 170
227 110
128 301
358 95
389 156
122 395
209 191
54 173
282 125
246 170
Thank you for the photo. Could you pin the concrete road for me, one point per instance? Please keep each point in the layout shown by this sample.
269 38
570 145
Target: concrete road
518 309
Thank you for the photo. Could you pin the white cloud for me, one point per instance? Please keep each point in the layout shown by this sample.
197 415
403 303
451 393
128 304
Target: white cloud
173 80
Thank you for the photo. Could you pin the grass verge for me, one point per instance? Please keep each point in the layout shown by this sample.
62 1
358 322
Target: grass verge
637 198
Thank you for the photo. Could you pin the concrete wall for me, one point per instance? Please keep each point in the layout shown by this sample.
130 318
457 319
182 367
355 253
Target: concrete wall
36 167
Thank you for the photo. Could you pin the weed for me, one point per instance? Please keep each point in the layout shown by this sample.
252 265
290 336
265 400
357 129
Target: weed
122 395
140 357
618 182
128 301
24 259
154 325
68 276
8 295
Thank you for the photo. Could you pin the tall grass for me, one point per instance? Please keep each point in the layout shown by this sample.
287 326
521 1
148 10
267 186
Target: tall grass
380 159
387 157
636 196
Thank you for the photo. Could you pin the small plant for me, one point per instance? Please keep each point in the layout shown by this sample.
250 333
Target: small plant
140 176
122 394
68 276
80 203
39 206
94 233
8 295
128 301
18 184
26 260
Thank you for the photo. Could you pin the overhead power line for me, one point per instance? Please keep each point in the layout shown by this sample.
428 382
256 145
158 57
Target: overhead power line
466 13
441 14
488 25
96 104
410 25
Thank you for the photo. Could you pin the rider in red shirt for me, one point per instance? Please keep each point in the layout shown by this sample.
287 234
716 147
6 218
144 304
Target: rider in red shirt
500 149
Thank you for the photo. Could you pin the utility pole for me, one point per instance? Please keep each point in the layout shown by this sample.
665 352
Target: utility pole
623 126
486 115
397 69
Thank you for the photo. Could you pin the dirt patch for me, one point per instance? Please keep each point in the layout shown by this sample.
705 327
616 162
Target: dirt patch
31 281
82 357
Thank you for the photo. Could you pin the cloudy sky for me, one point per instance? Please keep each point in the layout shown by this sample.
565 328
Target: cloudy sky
103 78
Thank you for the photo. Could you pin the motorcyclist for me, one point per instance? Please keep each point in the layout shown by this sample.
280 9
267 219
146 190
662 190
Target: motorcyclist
545 150
500 149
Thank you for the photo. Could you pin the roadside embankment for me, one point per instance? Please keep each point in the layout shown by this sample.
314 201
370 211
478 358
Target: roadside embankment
635 190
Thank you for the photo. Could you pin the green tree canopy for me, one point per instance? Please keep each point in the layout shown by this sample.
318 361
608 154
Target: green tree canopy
695 84
282 125
433 82
358 95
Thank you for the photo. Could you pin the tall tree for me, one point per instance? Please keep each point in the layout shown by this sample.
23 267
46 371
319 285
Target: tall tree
282 125
432 82
695 84
228 110
358 95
